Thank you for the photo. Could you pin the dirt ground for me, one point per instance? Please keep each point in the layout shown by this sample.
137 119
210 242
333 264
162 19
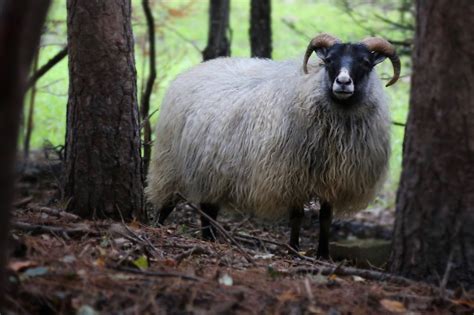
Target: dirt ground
64 265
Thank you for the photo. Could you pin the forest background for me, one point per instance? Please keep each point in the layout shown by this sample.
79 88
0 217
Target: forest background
181 33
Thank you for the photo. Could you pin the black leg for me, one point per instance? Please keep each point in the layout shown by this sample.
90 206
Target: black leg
296 216
209 232
325 218
165 211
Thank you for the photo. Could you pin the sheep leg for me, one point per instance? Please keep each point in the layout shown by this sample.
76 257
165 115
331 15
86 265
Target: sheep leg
165 211
209 232
325 218
296 216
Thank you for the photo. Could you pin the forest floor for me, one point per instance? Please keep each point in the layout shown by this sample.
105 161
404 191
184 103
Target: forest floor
61 264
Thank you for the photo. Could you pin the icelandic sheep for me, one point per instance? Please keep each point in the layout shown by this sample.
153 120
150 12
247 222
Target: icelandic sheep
268 136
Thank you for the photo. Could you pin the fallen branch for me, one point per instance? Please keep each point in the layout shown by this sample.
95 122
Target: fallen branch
350 271
55 212
46 67
156 273
38 229
196 250
220 228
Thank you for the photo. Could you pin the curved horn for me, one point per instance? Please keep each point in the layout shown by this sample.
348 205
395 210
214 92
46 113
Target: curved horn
382 46
320 41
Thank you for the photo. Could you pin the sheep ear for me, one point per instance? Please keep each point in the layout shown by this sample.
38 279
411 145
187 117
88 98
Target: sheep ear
377 58
322 52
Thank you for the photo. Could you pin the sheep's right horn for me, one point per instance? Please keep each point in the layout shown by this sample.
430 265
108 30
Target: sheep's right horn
383 47
321 41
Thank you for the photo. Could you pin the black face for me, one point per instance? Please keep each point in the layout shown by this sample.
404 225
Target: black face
348 67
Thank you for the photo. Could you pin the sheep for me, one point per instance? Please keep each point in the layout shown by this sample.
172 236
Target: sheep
268 136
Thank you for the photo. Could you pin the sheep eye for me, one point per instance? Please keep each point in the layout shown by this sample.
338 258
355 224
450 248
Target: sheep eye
366 63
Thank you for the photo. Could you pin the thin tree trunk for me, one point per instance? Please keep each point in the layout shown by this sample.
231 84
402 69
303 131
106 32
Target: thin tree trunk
435 203
20 29
218 44
145 106
31 110
103 165
260 28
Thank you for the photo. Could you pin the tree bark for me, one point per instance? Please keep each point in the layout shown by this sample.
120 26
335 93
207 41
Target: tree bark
260 28
103 165
435 202
20 29
218 44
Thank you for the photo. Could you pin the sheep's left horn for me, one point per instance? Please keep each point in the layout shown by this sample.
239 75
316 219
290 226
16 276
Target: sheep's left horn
321 41
382 46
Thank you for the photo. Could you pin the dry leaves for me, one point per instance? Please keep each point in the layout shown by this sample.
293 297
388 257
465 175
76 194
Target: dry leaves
393 306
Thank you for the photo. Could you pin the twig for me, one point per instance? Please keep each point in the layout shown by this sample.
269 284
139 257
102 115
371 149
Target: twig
56 212
183 37
46 67
350 271
396 123
144 121
292 27
37 229
156 273
219 227
407 26
134 237
444 281
23 202
284 245
196 250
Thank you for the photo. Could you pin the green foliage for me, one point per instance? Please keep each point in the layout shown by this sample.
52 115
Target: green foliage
181 32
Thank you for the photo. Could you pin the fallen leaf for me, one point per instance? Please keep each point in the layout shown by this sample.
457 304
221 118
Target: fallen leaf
21 265
467 303
86 310
169 262
332 277
315 310
69 259
288 295
35 272
393 306
319 279
226 280
141 262
135 224
99 262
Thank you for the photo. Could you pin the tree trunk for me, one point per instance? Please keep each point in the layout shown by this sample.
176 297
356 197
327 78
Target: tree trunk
103 164
218 45
260 28
435 203
20 29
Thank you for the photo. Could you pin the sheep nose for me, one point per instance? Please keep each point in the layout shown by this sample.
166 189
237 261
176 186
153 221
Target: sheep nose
343 80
